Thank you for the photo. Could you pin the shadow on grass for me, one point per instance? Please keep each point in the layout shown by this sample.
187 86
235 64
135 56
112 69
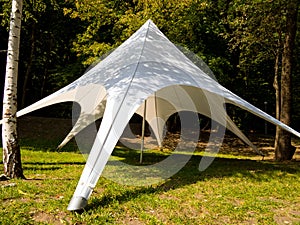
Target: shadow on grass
42 179
220 168
128 195
47 145
132 157
52 168
43 166
53 163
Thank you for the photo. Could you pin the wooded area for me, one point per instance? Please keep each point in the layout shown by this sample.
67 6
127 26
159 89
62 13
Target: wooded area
246 43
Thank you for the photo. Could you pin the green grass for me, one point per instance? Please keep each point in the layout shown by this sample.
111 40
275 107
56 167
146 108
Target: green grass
231 191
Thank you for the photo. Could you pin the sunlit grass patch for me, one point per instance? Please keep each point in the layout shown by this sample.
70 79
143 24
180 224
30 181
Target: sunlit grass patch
232 190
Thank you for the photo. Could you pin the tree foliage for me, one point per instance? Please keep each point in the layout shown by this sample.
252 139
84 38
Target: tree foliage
240 40
47 63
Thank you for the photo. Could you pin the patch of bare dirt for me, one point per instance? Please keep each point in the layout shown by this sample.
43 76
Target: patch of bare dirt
49 218
131 221
287 216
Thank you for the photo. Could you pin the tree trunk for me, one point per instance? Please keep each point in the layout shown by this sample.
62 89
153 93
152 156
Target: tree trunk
284 150
29 65
46 68
11 148
276 86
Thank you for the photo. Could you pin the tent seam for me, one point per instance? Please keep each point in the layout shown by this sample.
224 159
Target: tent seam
138 62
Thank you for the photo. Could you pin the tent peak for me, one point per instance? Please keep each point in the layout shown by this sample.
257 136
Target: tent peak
149 21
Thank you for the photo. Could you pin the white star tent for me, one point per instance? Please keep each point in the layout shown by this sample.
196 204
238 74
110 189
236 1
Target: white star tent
146 73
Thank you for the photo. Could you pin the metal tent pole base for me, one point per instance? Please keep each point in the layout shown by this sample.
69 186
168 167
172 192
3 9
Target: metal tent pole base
77 203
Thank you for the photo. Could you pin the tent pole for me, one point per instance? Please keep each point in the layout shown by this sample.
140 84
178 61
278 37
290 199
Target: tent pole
143 132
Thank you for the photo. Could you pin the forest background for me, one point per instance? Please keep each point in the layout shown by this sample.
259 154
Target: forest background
239 40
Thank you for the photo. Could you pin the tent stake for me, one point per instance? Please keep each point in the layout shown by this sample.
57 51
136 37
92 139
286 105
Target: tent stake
143 132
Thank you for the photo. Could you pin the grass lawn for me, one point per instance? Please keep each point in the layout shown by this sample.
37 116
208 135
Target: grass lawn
233 190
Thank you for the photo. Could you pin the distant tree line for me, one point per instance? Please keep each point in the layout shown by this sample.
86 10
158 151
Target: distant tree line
242 41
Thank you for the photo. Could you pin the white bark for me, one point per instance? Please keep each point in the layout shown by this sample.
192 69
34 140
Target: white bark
11 149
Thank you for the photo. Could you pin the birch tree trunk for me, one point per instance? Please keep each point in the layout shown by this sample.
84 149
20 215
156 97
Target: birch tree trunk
11 148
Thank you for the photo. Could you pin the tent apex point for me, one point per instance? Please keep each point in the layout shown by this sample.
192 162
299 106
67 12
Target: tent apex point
149 21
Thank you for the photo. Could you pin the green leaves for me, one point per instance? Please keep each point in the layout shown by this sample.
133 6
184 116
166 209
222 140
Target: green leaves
238 39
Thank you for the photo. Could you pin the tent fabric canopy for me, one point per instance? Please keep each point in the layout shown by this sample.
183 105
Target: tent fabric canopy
149 67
